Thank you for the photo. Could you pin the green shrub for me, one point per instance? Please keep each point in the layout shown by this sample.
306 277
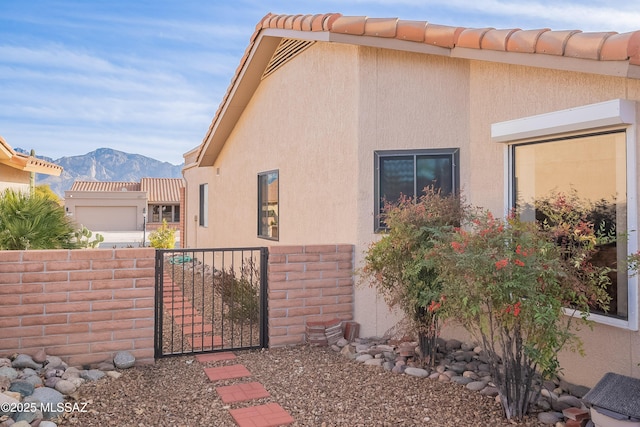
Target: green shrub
33 222
240 293
164 237
397 265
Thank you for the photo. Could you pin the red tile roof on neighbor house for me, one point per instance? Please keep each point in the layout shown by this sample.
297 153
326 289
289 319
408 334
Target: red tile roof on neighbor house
159 190
162 190
608 53
105 186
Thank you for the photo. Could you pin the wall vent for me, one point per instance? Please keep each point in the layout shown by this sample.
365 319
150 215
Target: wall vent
287 50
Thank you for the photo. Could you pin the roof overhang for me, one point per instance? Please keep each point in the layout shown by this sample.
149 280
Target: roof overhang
266 40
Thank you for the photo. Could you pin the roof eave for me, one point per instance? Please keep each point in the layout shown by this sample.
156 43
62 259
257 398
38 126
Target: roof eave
553 62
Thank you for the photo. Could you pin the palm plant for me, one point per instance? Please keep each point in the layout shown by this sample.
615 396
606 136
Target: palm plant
33 222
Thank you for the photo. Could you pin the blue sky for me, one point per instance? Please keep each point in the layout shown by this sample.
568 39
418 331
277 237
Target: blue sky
146 76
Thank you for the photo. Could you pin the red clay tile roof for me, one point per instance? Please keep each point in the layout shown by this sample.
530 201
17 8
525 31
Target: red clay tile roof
574 44
105 186
159 190
162 190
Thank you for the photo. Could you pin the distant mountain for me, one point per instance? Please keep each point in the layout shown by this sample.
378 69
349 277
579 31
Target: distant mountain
104 164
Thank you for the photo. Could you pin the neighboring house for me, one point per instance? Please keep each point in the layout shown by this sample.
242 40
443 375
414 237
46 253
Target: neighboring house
343 111
17 169
125 206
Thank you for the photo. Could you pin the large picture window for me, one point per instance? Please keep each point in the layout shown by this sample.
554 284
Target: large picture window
268 205
408 172
581 162
585 177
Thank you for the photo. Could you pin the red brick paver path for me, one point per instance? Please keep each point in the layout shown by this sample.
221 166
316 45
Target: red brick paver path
242 392
267 415
227 372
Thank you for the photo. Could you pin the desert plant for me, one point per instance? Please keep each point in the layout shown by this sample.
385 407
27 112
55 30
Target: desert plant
33 222
240 293
83 238
397 265
507 282
164 237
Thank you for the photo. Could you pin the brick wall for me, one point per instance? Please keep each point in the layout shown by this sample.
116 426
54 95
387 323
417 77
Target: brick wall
308 283
81 305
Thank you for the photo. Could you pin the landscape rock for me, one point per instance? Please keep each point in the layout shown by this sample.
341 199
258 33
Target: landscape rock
476 385
5 383
54 362
6 399
47 396
66 387
92 374
374 362
25 361
364 357
40 357
416 372
9 372
550 418
23 387
124 360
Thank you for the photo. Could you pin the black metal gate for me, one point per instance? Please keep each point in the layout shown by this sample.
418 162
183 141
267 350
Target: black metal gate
210 300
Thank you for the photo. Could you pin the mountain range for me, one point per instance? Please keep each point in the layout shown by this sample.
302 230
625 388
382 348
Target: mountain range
104 164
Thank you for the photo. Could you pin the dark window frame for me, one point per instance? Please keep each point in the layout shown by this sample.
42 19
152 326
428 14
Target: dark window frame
453 153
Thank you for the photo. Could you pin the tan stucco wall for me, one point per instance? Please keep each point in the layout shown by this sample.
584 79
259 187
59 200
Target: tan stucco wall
301 121
319 120
13 178
407 101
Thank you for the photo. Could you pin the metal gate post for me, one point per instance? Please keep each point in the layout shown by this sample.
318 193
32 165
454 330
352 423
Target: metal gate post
159 309
264 298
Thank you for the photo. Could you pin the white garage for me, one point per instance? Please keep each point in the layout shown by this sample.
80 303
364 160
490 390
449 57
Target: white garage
107 218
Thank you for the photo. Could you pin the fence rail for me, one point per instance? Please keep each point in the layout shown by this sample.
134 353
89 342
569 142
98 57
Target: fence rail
210 300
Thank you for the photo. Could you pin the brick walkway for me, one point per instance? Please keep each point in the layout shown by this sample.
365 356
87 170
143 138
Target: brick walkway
267 415
197 331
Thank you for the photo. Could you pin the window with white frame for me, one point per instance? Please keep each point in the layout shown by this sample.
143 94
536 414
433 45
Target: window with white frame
409 172
582 159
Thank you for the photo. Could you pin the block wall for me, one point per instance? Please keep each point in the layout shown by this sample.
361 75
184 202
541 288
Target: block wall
308 283
81 305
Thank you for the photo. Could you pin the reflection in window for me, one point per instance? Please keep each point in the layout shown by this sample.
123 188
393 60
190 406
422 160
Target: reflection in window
268 199
589 169
407 173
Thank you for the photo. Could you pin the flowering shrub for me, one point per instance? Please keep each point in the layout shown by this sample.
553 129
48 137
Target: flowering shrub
507 282
397 265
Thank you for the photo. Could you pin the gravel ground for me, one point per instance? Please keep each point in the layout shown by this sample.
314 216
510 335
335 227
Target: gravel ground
317 386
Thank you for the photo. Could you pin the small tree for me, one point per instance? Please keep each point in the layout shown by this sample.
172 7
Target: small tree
33 222
507 282
397 265
164 237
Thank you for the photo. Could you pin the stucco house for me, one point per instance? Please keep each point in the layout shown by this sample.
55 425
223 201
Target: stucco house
126 206
339 111
17 169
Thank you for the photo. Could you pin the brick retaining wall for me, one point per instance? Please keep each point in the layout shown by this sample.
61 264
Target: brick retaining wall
81 305
308 283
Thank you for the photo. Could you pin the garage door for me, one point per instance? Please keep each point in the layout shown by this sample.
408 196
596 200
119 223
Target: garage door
109 218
